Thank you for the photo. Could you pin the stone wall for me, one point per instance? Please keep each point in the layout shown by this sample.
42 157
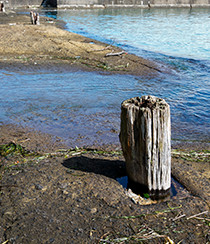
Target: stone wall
106 3
140 3
20 3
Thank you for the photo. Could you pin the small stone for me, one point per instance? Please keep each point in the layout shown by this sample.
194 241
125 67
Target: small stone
63 185
38 187
80 230
93 210
65 192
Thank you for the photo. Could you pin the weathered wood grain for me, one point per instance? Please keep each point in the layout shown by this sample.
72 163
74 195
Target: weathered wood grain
145 138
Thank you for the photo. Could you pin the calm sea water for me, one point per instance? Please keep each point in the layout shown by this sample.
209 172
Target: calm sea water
84 107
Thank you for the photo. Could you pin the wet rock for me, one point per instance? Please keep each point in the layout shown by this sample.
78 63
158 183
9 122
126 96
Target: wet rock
51 240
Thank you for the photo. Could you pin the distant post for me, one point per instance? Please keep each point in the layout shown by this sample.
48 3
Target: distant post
145 137
34 18
2 8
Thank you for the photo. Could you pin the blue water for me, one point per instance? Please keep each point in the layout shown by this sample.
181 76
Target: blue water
176 32
84 107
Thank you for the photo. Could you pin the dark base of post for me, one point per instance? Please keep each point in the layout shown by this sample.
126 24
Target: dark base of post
140 189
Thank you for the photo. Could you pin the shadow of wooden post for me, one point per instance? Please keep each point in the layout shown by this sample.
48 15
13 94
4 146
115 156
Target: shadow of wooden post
145 137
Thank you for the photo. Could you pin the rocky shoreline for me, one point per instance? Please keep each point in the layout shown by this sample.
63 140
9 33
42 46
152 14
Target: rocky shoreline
50 193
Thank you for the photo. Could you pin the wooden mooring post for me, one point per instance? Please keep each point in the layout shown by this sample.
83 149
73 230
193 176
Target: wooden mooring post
145 137
34 18
2 7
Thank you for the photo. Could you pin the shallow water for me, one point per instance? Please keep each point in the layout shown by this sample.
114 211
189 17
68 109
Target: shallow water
176 190
179 32
84 107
